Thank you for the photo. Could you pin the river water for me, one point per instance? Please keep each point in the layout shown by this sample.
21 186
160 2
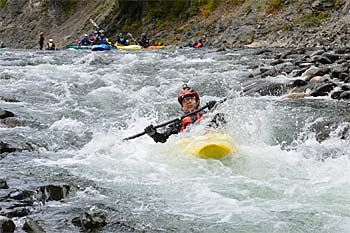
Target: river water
79 105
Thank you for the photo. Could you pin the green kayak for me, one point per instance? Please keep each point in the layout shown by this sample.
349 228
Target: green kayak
77 47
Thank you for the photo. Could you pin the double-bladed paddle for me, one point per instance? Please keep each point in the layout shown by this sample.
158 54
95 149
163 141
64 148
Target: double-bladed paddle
174 120
94 23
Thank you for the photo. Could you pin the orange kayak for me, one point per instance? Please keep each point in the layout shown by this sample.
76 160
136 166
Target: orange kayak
155 47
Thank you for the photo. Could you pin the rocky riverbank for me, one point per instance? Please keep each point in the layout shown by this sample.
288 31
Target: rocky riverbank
228 24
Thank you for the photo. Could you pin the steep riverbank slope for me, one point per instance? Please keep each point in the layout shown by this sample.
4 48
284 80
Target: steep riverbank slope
230 23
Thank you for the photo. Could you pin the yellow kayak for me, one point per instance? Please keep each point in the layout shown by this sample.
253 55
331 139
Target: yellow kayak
210 145
129 47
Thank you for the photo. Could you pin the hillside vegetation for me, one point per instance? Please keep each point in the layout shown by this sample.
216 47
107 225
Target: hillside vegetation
225 23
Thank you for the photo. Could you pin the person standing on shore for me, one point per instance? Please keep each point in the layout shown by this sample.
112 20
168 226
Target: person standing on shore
41 40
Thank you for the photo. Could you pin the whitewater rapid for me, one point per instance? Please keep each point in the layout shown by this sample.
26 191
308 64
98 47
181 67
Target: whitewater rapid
79 105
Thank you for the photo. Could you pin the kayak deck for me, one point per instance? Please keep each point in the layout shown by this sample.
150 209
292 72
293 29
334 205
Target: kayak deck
213 151
210 145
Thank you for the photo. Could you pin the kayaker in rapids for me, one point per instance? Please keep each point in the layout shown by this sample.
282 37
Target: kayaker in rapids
189 101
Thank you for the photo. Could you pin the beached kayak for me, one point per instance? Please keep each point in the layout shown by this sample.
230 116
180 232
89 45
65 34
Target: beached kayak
101 47
155 47
77 47
129 47
210 145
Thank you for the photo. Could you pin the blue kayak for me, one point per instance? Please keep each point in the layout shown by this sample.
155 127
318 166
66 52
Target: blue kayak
101 47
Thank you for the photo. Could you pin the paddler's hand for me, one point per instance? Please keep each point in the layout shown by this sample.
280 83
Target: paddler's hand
150 130
211 104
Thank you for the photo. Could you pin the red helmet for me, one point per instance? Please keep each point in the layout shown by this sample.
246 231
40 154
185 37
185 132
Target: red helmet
188 91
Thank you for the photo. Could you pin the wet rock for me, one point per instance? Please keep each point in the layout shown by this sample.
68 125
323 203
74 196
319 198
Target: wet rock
331 56
8 99
345 95
297 72
268 72
299 83
263 88
6 225
221 49
276 62
297 95
92 219
21 195
321 59
32 227
345 88
3 184
285 67
323 5
20 203
342 50
17 203
318 52
4 114
304 64
338 69
336 94
53 192
318 79
17 212
343 77
6 148
10 122
311 72
323 90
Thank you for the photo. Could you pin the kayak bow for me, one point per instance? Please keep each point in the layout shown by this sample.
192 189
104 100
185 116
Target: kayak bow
210 145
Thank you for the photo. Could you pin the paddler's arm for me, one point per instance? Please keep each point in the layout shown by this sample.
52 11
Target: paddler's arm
162 137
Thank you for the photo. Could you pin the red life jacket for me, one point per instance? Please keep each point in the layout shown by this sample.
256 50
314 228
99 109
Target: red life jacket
189 120
199 45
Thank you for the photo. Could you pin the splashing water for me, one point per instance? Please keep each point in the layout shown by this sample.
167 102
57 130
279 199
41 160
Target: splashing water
281 180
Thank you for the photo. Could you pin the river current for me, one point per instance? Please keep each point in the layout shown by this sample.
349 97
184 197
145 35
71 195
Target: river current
79 105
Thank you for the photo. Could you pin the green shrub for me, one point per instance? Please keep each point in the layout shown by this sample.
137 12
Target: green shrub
276 4
2 4
273 6
159 24
248 9
286 27
338 3
69 6
209 7
235 2
198 33
311 19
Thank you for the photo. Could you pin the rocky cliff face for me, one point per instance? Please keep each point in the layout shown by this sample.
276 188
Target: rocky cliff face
231 23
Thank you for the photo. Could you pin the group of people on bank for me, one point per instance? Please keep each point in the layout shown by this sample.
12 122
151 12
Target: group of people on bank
100 37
